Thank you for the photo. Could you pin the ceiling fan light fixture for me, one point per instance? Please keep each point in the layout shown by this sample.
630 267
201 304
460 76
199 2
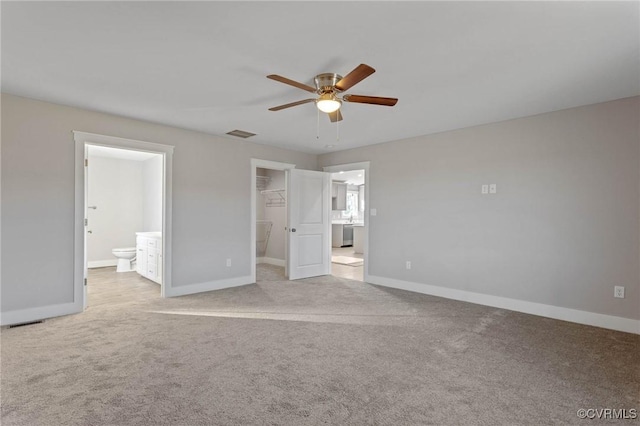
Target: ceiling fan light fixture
327 102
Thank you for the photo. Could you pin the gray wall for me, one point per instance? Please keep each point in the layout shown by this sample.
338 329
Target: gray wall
211 198
562 230
152 181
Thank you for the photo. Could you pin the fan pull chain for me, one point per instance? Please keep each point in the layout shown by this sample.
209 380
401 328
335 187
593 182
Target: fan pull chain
337 127
318 125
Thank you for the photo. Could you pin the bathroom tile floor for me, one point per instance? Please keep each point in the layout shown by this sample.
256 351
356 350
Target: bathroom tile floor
107 287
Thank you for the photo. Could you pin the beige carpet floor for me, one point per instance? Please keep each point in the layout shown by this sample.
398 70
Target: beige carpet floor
318 351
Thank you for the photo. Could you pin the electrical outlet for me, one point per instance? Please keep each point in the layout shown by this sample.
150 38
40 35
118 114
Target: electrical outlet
408 264
228 262
618 292
493 188
484 189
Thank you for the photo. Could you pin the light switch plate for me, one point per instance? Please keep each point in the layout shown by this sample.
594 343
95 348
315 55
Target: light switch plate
493 188
485 189
373 212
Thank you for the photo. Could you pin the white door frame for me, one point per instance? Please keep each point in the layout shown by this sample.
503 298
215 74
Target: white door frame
364 165
263 164
82 140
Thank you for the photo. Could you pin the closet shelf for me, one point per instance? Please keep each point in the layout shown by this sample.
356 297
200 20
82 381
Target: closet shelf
275 197
262 182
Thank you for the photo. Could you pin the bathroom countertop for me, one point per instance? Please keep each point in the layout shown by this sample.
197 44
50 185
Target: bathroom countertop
156 234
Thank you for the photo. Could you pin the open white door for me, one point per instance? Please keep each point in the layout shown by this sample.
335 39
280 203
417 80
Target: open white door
309 224
85 270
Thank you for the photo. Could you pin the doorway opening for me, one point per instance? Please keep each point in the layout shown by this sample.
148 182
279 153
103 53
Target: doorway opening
271 221
124 219
111 198
269 242
349 220
307 198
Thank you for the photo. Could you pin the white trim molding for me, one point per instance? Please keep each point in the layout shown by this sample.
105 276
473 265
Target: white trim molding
271 261
184 290
21 316
556 312
102 263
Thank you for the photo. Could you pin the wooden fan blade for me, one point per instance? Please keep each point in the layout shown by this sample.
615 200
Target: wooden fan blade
360 72
335 116
291 83
292 104
375 100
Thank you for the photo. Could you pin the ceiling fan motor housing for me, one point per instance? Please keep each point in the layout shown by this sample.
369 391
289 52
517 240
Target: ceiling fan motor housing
325 83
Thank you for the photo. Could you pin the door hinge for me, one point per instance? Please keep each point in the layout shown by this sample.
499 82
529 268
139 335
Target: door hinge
86 162
86 222
85 281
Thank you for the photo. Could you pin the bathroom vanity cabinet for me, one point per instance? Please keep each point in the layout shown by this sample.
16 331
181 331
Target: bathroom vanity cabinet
149 255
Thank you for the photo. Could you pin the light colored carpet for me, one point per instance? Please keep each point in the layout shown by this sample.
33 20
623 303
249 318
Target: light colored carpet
346 260
316 351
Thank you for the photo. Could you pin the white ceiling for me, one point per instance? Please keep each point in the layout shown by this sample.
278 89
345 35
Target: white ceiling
202 65
122 154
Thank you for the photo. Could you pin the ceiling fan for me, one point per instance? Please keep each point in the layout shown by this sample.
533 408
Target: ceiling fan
329 86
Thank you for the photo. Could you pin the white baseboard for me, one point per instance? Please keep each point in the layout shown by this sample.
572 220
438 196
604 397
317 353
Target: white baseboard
565 314
35 314
102 263
271 261
208 286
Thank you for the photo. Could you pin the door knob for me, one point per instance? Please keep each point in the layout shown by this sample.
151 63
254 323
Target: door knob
293 229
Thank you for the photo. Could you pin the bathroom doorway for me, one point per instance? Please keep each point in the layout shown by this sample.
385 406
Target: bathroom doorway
123 220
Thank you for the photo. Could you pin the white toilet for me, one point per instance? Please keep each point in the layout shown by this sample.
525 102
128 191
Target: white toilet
125 258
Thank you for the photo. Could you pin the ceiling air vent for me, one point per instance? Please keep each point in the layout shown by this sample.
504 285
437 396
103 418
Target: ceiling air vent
241 133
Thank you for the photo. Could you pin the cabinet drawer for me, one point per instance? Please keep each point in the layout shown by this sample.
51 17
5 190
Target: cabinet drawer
151 258
152 243
151 271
